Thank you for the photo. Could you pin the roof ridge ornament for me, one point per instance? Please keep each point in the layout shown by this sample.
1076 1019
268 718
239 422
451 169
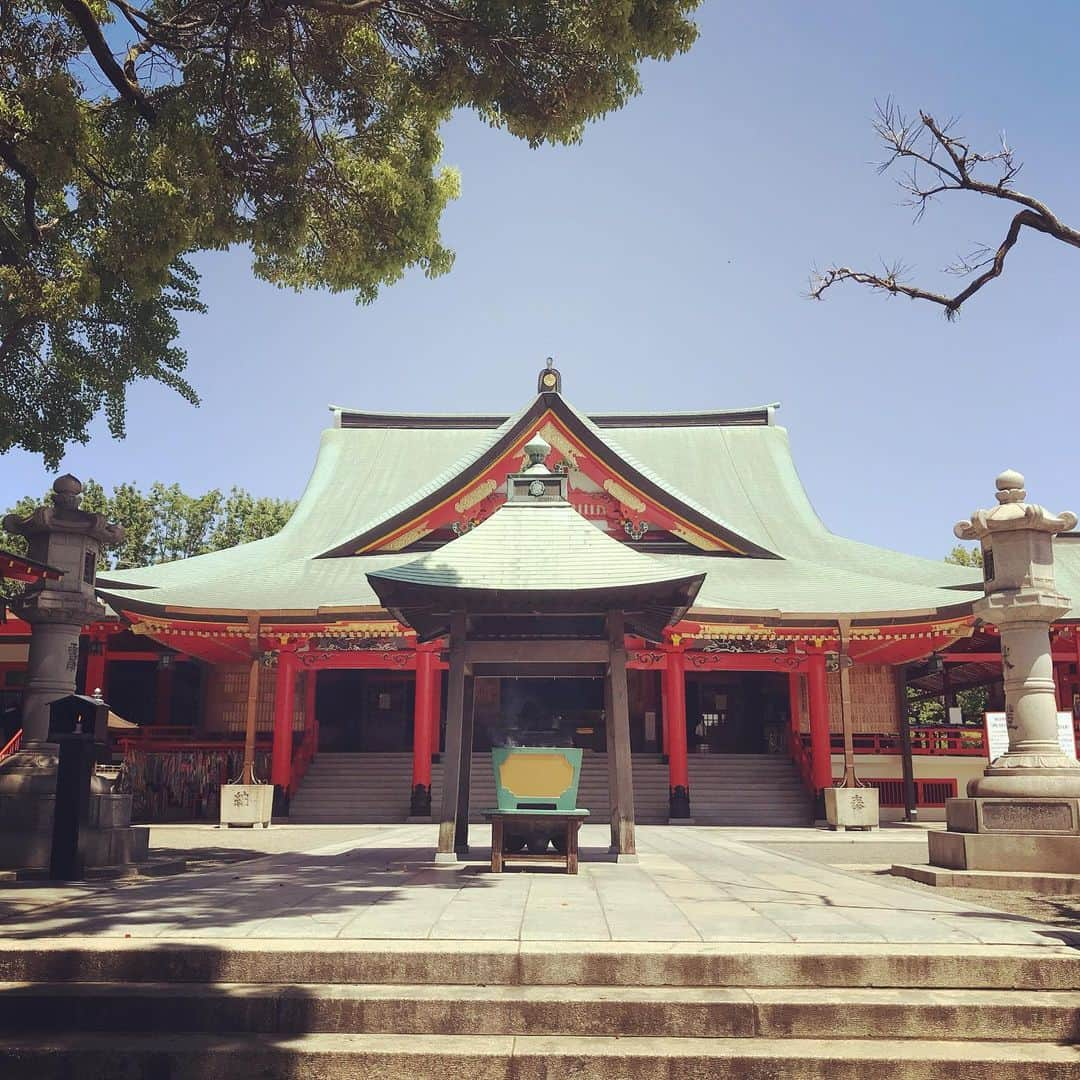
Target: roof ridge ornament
550 379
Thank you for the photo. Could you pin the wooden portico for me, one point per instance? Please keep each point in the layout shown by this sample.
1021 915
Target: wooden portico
535 590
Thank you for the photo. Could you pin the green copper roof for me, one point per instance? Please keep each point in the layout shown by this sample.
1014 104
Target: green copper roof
549 548
741 475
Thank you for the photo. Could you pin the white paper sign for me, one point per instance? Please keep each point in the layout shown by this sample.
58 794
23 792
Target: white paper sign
997 734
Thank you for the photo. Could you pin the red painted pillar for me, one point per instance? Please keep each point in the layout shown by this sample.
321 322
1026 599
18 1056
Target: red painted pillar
436 712
794 710
311 720
163 686
423 721
665 712
96 671
284 698
678 766
820 749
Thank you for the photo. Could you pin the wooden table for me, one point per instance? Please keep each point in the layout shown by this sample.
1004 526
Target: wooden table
525 820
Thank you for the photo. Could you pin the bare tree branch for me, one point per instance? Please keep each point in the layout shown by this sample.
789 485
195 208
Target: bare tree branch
952 165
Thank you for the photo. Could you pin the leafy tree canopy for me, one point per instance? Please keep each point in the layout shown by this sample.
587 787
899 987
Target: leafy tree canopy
134 133
164 523
965 556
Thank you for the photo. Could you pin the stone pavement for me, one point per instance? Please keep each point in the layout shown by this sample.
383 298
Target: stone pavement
376 882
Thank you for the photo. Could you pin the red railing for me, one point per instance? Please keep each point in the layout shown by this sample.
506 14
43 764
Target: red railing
12 745
927 792
302 757
800 757
963 742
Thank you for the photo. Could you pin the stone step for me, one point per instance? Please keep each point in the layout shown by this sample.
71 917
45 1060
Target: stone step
532 1057
671 1012
543 963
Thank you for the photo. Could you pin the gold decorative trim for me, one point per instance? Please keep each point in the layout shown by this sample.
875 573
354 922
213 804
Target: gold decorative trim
406 538
691 536
478 494
624 495
554 437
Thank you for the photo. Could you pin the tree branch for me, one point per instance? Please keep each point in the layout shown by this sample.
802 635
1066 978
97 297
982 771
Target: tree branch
902 138
126 87
30 188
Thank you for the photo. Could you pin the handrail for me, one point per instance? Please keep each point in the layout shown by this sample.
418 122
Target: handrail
12 745
800 757
928 741
302 758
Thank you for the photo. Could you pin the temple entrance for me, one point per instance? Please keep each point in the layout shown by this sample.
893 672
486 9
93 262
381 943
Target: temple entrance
561 711
365 711
737 712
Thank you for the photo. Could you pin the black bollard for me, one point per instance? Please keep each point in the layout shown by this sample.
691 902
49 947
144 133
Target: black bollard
78 755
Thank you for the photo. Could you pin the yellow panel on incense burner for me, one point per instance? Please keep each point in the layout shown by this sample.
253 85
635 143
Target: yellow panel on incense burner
534 776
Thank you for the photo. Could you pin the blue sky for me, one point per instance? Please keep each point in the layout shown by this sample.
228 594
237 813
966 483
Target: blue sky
664 264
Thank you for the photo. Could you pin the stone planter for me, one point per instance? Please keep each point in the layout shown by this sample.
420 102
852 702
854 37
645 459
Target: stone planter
246 804
851 808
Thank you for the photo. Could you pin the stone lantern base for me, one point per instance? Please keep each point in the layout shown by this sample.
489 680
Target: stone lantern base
1036 834
27 803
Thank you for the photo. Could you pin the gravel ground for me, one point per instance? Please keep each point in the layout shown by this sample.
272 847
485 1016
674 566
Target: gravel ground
874 858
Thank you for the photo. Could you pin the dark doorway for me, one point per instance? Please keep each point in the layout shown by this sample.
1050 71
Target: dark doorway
365 711
736 712
557 711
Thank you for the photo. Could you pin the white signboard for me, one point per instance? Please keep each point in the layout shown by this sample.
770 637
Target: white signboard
997 734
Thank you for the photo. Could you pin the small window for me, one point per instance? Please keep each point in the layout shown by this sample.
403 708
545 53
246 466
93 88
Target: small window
89 567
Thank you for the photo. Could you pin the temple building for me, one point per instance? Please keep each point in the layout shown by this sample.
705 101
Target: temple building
791 636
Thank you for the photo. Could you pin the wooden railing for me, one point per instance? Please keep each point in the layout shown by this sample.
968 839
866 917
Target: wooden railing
927 792
959 741
302 757
800 757
12 745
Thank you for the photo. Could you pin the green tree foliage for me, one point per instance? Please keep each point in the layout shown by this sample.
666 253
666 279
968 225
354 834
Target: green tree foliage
965 556
134 133
164 523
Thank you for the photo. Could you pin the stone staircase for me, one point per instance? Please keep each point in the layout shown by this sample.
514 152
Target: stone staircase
727 789
541 1010
747 789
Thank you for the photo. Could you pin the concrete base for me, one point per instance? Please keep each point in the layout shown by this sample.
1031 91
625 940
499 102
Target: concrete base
852 808
247 804
1003 880
447 858
1024 852
1014 816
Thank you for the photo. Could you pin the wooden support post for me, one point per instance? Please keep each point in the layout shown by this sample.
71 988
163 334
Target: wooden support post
455 709
423 700
247 774
678 764
820 749
907 764
845 663
436 713
619 720
284 702
468 712
311 719
794 709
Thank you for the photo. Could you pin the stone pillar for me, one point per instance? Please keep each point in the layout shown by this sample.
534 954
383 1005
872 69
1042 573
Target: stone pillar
1024 812
423 721
678 765
820 743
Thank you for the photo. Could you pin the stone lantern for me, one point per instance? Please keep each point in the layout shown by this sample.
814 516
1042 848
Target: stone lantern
69 539
1023 814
